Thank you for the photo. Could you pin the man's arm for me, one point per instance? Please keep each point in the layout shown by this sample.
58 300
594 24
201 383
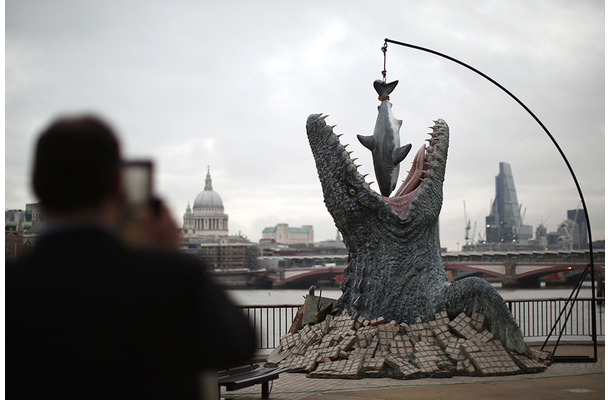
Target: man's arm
223 336
230 338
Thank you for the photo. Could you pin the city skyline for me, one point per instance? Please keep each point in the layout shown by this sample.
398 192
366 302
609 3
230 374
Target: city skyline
493 223
200 83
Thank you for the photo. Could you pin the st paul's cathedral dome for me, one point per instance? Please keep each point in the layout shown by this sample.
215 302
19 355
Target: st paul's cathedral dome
207 217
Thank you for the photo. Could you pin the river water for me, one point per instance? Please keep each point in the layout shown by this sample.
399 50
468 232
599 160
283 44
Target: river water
248 297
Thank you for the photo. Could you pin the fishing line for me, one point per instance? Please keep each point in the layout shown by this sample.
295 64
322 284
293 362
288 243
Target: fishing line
591 265
384 49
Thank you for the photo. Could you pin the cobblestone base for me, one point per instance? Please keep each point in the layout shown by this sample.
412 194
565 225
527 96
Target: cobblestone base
340 347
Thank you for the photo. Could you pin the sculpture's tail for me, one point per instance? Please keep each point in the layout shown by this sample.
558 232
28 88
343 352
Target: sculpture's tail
474 295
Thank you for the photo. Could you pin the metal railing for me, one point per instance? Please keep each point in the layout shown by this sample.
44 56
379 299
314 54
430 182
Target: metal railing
271 322
535 317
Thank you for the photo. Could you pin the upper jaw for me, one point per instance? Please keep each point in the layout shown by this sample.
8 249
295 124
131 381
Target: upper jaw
325 143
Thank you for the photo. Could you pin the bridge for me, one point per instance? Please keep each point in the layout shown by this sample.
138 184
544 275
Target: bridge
305 277
518 269
521 274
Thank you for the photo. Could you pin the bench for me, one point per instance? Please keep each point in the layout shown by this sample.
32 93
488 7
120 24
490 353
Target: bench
239 378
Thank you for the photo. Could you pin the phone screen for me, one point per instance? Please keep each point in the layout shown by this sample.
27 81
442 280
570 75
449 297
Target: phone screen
137 182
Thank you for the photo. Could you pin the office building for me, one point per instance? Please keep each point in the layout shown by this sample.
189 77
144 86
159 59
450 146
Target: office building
284 234
505 224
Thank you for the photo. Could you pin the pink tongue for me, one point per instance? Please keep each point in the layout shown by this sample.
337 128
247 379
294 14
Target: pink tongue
405 194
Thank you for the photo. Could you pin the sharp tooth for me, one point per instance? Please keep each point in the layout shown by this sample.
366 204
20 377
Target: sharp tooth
339 135
349 152
353 159
324 116
357 166
345 146
364 176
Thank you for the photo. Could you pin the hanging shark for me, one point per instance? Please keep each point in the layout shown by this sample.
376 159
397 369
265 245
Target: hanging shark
385 141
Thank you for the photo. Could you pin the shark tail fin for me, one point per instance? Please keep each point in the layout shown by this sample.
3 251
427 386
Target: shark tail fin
367 141
400 153
384 89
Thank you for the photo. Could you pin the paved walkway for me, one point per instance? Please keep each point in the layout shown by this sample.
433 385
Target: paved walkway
559 381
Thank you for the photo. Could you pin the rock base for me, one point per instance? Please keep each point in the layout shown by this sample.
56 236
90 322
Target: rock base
341 347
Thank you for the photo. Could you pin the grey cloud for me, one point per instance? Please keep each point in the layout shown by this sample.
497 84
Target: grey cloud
175 78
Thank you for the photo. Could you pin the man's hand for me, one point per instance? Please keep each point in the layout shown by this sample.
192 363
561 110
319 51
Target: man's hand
159 228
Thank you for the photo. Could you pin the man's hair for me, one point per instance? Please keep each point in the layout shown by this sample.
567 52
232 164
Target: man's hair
76 164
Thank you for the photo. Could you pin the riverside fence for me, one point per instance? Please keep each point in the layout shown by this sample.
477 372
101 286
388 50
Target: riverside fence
535 317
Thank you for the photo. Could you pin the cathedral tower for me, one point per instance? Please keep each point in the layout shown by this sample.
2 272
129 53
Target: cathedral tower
207 217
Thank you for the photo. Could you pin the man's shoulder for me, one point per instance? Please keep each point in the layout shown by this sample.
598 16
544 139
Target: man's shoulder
104 250
165 262
173 258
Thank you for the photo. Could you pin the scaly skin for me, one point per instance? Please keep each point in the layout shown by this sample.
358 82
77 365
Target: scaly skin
394 267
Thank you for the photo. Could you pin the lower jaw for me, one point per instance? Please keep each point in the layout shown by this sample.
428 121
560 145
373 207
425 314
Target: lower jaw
409 188
400 204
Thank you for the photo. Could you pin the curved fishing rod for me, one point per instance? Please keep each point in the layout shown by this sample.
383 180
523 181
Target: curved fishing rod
565 159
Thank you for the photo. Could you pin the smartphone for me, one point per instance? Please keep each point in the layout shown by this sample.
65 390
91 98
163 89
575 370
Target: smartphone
138 182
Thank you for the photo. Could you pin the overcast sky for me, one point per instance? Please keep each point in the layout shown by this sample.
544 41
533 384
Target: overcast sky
230 84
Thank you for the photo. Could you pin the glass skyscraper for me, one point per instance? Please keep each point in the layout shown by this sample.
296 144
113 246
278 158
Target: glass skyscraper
505 224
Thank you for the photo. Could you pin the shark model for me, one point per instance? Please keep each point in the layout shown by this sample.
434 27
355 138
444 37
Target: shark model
385 141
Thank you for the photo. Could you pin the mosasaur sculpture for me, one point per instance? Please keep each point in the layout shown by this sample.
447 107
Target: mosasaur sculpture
394 266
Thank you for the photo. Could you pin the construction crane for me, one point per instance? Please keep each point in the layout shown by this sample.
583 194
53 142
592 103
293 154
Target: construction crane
566 228
467 224
474 232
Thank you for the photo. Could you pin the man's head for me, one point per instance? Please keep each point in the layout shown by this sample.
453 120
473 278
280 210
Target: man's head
76 165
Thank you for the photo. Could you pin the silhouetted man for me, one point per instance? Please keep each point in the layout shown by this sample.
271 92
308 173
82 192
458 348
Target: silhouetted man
88 317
